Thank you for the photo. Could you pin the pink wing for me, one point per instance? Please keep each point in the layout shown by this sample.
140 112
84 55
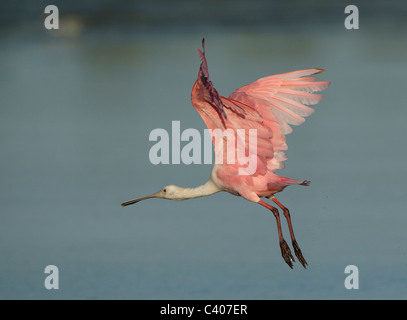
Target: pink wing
219 112
281 100
268 105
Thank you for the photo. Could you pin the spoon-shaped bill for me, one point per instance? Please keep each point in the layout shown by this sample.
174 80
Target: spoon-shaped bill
127 203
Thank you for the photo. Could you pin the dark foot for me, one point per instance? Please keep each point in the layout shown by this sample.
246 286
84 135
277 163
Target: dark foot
286 253
299 255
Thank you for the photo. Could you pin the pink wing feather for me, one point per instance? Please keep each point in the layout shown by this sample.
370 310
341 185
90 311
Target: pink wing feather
281 100
269 105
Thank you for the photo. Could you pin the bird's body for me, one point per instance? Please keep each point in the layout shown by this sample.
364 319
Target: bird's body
266 107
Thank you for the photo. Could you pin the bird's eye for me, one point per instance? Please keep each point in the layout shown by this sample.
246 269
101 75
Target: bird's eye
164 190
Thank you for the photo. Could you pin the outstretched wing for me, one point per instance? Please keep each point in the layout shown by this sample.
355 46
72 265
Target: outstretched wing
268 105
281 100
229 115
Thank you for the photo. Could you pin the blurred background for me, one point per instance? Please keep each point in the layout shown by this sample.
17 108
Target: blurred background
77 106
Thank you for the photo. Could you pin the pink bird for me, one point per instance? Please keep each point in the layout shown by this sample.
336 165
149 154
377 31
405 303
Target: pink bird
269 106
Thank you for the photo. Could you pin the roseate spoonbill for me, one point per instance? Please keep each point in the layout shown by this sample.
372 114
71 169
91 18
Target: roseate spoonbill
269 105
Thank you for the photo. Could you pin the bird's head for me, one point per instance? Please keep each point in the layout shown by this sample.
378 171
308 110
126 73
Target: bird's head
170 192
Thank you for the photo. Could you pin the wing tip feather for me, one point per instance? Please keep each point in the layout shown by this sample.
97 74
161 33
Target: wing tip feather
319 71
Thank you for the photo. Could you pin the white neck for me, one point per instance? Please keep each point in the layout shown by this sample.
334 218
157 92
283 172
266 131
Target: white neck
189 193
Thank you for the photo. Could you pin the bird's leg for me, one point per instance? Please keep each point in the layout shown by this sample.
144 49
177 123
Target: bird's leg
285 250
297 249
